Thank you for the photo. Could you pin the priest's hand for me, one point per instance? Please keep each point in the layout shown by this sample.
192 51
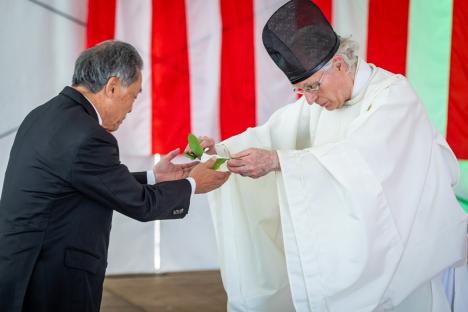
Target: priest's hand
208 179
165 170
207 143
254 162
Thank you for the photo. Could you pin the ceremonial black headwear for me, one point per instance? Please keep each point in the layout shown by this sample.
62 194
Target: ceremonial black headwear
299 39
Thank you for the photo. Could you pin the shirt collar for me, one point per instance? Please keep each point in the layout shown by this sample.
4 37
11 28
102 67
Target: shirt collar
94 107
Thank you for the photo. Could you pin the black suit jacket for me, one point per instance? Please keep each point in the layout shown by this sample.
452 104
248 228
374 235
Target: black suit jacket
63 181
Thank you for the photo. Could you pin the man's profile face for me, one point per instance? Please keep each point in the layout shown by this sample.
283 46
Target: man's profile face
121 103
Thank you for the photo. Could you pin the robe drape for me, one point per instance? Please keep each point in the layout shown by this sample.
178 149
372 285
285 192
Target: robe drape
361 214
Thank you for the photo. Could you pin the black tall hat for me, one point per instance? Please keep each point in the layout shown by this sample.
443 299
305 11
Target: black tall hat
299 39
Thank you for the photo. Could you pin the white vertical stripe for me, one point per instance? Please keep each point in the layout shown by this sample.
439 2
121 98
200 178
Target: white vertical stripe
157 234
204 38
350 19
133 25
273 89
130 237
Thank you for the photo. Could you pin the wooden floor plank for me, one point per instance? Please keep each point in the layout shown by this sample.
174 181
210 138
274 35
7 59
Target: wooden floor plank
180 292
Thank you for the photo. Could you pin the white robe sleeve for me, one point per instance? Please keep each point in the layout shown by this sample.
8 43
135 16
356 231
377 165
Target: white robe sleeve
248 232
351 209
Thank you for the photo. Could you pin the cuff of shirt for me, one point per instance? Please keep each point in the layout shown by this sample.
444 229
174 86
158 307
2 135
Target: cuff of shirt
150 177
193 184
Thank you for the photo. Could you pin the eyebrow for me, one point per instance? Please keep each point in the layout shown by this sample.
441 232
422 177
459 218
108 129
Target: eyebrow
305 85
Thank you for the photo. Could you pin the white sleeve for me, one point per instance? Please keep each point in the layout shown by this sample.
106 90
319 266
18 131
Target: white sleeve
150 177
193 183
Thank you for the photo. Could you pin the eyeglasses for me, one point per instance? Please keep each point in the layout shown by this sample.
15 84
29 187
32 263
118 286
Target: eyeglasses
310 88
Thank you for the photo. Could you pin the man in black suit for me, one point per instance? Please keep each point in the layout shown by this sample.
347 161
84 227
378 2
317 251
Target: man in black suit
64 179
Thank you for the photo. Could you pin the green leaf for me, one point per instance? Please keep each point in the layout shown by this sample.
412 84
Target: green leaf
195 146
190 155
219 162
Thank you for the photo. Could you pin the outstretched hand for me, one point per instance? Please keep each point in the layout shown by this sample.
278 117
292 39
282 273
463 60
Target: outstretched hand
165 170
254 162
206 178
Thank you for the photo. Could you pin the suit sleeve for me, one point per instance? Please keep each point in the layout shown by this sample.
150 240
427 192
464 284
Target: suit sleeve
140 177
97 173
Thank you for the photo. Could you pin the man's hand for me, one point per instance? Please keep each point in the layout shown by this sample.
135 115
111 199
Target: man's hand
254 162
165 170
206 143
208 179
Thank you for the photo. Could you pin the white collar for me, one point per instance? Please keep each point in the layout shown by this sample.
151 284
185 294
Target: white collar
362 76
94 107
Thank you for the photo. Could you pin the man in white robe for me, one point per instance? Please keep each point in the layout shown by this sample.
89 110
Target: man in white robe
351 207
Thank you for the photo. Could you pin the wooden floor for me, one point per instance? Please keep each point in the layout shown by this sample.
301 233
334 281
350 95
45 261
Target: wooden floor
184 292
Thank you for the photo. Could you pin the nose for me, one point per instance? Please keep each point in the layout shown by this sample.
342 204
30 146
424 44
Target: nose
310 97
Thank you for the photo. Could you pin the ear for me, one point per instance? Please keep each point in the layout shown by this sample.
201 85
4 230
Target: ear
111 86
338 62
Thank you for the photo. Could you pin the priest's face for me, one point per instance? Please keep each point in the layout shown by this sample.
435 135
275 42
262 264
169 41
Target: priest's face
334 86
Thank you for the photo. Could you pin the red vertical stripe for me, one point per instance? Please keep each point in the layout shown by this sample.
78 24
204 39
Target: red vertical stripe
326 8
101 21
170 76
387 34
457 120
237 90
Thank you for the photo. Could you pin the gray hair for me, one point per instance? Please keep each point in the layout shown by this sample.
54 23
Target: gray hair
348 50
96 65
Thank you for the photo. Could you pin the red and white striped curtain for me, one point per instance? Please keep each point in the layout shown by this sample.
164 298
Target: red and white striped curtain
206 70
